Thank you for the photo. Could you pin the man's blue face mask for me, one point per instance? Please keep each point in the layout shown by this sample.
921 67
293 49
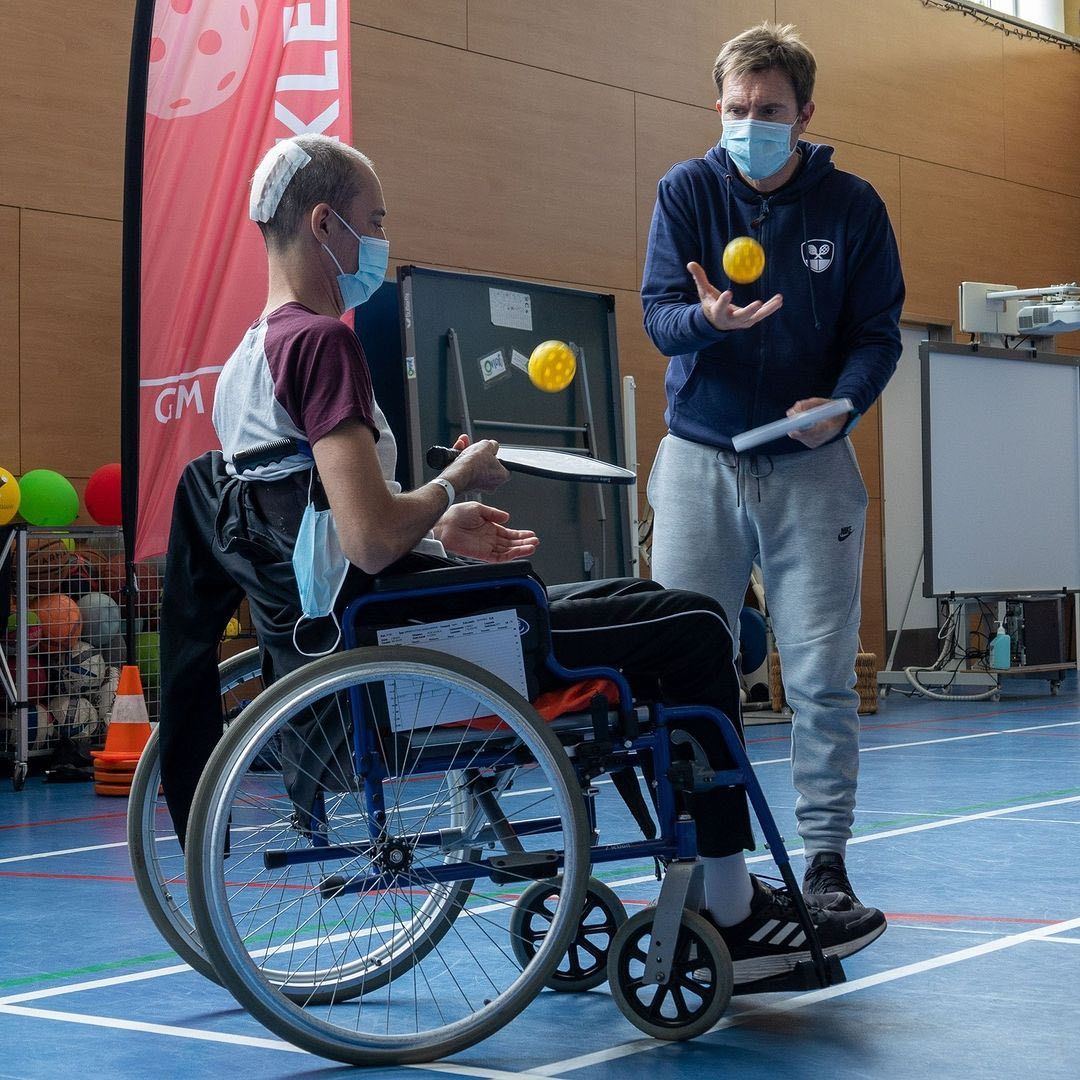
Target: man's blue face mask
320 568
759 148
371 264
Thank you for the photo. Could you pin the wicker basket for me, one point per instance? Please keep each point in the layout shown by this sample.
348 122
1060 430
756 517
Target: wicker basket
865 682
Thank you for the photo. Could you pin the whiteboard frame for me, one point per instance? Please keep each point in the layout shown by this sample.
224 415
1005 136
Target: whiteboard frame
1001 480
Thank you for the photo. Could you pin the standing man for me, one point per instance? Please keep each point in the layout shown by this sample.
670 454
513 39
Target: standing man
822 322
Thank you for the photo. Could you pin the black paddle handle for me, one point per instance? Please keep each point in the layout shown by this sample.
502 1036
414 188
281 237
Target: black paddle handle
438 457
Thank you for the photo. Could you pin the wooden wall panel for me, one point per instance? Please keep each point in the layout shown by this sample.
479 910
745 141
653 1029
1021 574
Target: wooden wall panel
663 50
435 20
63 88
9 339
917 81
667 133
70 354
866 441
1042 90
959 226
495 165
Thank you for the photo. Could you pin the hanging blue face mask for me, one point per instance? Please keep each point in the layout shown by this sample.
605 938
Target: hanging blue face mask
320 567
759 148
371 264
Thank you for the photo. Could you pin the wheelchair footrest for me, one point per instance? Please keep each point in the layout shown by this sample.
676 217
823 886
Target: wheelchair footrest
524 866
802 977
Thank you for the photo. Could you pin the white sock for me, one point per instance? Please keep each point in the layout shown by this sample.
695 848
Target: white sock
728 888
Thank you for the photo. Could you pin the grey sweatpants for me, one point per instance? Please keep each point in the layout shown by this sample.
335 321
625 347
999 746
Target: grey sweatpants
802 518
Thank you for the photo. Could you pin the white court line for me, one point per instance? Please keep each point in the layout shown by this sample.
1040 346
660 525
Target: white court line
61 851
925 826
638 1046
813 997
532 791
154 1029
202 1035
937 742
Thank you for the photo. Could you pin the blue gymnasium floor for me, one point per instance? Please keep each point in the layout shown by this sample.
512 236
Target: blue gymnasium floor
967 836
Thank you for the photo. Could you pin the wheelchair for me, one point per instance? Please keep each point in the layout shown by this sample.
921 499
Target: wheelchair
389 853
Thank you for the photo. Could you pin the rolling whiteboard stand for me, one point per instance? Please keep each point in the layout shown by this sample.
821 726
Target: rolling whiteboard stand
1001 476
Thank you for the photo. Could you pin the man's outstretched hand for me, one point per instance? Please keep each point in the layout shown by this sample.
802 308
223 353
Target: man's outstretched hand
719 309
480 532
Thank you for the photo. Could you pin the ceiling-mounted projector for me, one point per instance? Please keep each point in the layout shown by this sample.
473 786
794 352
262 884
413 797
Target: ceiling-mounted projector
1060 318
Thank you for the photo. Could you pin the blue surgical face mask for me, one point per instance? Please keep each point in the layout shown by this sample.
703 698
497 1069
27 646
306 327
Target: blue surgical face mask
371 264
759 148
320 568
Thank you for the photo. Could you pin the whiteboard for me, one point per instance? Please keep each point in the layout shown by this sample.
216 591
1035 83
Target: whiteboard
1001 471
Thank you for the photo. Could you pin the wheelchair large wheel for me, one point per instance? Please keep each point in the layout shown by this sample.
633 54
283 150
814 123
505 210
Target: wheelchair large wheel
156 856
332 893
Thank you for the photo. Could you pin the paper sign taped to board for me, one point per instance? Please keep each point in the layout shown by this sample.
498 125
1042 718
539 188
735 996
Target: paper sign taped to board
491 641
510 309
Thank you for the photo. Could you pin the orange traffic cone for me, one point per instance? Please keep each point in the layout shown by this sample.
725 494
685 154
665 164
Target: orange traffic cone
127 734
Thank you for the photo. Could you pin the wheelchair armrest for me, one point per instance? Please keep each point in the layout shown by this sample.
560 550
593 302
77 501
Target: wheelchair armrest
464 574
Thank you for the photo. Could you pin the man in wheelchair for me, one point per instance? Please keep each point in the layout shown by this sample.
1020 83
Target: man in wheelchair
255 525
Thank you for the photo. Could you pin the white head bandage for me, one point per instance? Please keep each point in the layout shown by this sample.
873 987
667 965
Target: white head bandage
281 163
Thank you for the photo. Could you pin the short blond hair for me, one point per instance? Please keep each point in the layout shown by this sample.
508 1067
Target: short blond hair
769 47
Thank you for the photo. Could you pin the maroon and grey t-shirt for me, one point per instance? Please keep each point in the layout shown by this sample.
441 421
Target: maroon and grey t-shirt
295 375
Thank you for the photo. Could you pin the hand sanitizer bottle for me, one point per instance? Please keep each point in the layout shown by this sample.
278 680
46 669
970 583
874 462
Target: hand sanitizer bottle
1000 649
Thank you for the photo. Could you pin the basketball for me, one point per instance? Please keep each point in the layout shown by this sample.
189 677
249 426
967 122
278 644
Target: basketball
552 366
84 670
744 260
61 622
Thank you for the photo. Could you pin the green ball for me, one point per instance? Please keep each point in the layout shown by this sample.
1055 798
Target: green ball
47 498
148 657
32 619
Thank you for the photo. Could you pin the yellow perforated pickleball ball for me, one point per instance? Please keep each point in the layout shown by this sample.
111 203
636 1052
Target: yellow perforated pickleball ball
744 260
552 366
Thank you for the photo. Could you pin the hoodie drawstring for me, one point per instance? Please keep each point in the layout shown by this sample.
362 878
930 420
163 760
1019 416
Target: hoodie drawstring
809 272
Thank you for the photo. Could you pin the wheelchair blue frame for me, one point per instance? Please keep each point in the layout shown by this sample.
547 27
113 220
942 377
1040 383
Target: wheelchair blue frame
626 746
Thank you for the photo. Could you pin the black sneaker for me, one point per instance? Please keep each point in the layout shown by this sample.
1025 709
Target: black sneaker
771 941
826 883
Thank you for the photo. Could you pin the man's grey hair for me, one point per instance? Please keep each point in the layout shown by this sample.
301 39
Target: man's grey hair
331 176
767 47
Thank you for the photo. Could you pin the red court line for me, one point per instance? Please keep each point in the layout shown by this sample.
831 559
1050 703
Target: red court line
64 877
65 821
930 917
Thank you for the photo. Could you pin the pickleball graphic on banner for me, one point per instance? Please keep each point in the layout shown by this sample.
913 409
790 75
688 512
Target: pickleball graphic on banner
226 80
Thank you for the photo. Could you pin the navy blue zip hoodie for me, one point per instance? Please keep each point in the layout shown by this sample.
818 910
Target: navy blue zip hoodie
829 249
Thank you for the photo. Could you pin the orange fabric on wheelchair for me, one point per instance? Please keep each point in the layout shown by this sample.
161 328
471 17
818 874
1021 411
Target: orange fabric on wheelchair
554 703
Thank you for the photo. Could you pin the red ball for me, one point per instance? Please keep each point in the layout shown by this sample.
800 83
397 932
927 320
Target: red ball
102 496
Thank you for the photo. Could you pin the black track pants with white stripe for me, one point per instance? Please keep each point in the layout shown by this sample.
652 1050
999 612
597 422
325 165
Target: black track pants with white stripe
672 641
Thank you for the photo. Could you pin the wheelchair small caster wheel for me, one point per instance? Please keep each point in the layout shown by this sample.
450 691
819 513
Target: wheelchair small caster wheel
584 965
699 985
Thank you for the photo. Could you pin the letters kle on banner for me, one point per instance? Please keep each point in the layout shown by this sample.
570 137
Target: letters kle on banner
227 78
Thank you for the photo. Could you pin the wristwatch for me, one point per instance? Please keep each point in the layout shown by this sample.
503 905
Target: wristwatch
445 484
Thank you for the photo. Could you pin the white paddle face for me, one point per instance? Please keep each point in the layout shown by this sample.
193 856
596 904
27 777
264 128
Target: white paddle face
561 465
